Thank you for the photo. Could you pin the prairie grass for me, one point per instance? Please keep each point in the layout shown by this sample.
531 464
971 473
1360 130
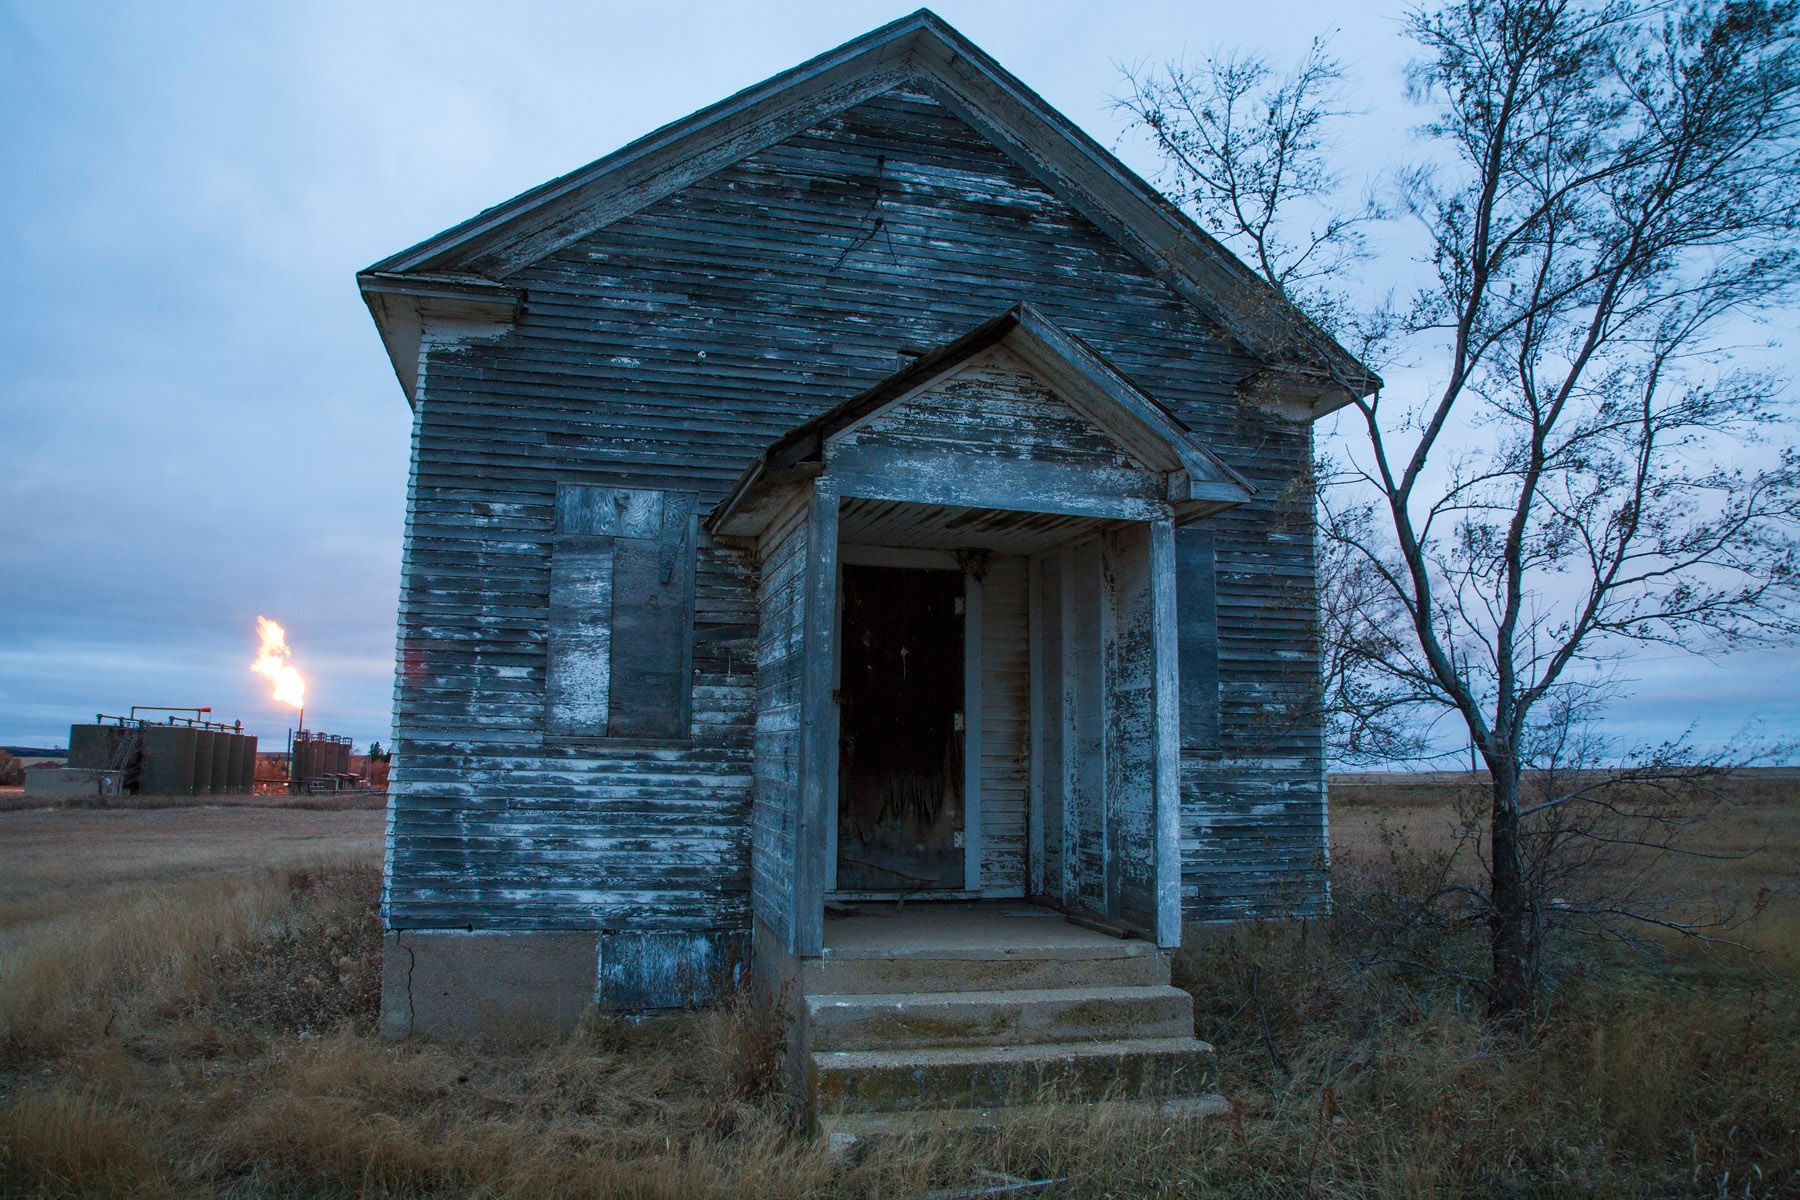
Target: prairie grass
71 989
217 1038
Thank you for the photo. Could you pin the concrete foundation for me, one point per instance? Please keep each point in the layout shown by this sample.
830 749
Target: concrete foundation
501 986
511 985
71 781
780 983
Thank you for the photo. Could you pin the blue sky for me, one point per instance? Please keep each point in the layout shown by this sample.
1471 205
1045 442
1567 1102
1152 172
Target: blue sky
199 424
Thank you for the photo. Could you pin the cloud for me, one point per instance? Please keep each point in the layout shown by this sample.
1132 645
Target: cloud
198 419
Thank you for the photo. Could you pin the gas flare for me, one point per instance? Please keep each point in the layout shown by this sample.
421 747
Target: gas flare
272 660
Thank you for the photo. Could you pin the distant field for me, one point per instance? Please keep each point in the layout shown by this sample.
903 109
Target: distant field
1750 844
14 799
58 866
1756 785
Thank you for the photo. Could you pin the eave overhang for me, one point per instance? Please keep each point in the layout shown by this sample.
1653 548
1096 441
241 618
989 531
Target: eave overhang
410 309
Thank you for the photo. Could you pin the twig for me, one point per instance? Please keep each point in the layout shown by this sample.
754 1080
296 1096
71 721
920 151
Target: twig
1226 1023
1262 1017
1005 1185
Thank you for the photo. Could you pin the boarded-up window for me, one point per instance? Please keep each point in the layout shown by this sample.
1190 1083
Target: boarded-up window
1197 619
621 605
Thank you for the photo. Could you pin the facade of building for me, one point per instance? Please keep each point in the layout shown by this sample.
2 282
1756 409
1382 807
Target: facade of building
866 488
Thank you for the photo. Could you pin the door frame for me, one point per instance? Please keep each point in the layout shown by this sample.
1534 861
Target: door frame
849 554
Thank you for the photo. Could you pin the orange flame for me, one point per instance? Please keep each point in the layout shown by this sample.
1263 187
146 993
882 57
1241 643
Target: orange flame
272 660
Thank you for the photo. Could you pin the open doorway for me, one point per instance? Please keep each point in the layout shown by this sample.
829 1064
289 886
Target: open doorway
901 806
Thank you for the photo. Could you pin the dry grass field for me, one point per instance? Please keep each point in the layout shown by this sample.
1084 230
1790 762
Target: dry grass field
62 868
1745 856
187 1002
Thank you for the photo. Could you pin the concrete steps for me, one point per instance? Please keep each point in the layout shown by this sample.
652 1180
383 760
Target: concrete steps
1123 964
987 1077
1014 1017
874 1123
948 1025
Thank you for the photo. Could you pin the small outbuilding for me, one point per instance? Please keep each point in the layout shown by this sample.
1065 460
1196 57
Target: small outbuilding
853 533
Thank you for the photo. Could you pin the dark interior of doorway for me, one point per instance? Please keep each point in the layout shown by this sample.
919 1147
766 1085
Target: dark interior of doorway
900 774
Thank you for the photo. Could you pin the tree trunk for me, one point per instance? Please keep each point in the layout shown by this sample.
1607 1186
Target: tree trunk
1509 987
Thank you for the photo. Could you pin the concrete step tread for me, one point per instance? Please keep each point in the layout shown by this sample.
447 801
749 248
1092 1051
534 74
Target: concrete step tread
1038 1052
1050 950
1022 995
1121 948
883 973
997 1016
911 1122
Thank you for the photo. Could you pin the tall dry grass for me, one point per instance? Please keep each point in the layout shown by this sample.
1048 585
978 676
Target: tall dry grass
220 1041
73 984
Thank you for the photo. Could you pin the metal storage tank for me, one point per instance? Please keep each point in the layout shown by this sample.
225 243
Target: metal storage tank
247 772
234 760
220 782
168 765
203 761
302 768
100 747
91 746
341 759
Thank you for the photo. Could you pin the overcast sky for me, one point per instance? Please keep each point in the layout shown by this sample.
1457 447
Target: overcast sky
199 424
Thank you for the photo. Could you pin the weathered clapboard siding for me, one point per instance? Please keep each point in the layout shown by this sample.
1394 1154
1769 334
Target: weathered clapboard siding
664 351
1049 871
780 661
994 407
1256 812
1130 712
1084 635
1005 724
495 826
963 441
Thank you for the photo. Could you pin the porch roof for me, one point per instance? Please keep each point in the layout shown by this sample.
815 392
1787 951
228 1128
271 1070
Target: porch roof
1198 480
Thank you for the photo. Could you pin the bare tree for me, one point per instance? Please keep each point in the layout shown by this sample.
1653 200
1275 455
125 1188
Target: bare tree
1250 154
1608 197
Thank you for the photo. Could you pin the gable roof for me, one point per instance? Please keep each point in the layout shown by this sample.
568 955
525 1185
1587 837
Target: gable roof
922 51
1148 431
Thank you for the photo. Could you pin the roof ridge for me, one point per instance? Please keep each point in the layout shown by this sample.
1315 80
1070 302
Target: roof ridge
920 47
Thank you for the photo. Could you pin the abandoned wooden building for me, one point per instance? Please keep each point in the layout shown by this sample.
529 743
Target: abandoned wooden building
852 537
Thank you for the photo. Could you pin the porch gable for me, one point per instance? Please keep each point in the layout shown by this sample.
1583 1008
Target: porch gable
1015 415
